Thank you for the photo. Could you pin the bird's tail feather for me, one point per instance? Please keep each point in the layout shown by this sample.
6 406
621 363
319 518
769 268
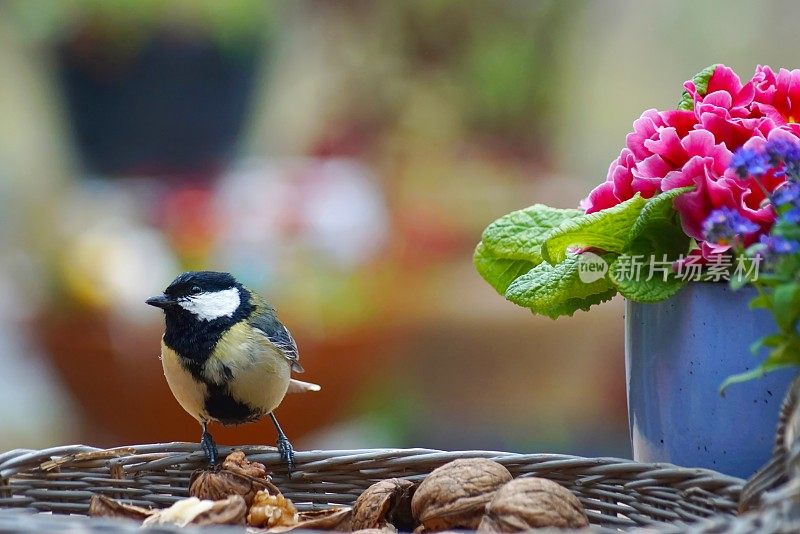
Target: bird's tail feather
298 386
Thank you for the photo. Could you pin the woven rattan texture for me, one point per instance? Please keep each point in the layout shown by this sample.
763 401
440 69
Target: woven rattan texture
616 493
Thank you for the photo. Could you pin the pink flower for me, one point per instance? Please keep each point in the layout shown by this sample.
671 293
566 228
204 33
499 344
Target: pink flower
777 96
672 149
726 109
724 90
718 186
650 152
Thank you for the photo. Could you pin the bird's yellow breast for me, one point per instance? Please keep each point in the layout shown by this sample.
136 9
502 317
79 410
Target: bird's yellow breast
188 391
244 366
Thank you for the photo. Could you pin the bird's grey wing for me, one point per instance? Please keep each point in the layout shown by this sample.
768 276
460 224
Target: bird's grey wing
280 336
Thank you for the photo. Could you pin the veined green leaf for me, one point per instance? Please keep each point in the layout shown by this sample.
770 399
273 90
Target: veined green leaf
555 290
645 273
650 280
569 307
498 272
520 234
607 230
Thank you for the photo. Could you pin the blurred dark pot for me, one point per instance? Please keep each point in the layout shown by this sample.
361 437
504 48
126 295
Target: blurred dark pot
677 354
172 106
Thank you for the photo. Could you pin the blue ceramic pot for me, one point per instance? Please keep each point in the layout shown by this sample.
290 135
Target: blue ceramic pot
677 353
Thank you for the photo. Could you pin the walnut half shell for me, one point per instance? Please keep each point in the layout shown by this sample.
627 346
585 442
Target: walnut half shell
527 503
385 502
236 476
454 495
102 506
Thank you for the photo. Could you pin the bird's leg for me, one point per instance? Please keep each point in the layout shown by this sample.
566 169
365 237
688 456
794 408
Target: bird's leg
209 447
284 447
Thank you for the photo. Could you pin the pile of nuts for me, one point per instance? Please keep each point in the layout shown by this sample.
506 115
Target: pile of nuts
468 494
480 494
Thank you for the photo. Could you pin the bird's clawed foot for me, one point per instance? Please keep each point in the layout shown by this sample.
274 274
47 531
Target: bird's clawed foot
209 447
286 451
284 447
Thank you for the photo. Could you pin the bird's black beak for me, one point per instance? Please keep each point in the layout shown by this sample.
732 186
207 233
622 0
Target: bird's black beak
161 301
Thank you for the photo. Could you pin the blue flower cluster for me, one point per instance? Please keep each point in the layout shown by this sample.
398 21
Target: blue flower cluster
782 151
748 162
788 195
773 245
725 226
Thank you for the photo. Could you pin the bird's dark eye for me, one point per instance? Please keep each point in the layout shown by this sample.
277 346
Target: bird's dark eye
195 290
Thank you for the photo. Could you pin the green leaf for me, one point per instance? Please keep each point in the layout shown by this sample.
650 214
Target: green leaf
758 372
657 229
773 340
701 83
745 273
786 306
607 230
644 273
519 235
761 300
785 354
555 290
640 279
787 230
498 272
570 306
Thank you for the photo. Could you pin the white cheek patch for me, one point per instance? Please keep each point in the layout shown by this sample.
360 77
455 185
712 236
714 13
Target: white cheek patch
210 306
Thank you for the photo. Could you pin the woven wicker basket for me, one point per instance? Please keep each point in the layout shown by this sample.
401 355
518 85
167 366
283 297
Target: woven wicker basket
618 494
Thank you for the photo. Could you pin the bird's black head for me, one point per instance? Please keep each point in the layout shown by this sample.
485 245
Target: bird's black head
199 308
206 295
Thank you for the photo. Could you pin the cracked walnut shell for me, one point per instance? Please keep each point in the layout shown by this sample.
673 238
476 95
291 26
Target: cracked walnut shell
454 495
385 502
527 503
236 476
102 506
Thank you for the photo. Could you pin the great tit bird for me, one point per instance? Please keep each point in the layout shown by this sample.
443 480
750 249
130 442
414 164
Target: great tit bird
226 356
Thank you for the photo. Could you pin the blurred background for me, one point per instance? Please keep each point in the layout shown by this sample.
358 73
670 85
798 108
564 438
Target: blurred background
343 159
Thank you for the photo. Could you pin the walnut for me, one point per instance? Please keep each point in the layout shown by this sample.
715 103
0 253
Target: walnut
331 519
272 511
454 495
102 506
230 511
238 463
527 503
236 476
385 502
